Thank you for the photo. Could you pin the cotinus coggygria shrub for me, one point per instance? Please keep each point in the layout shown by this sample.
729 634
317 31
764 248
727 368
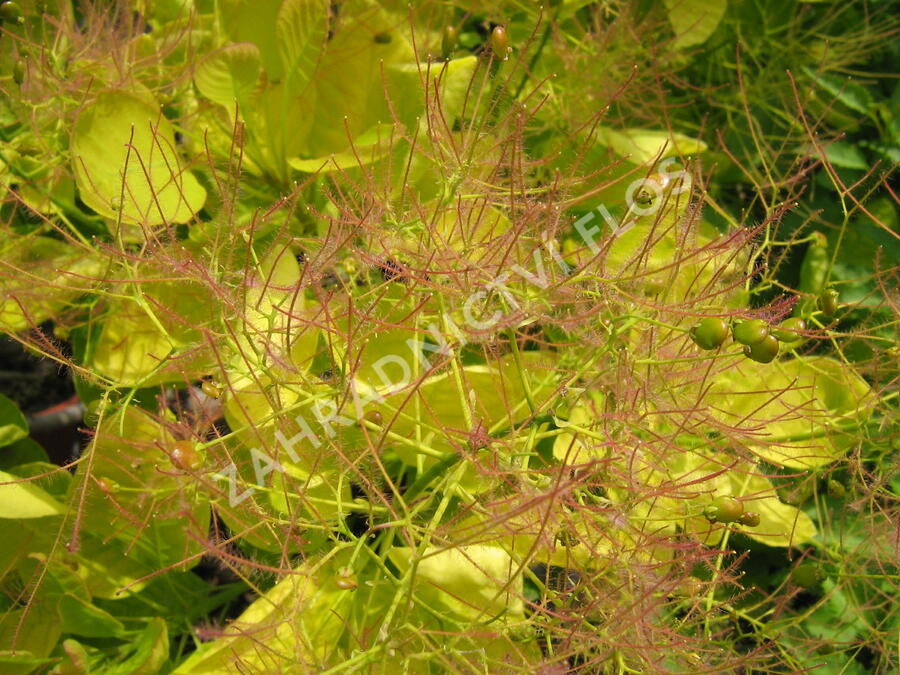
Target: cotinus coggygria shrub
440 338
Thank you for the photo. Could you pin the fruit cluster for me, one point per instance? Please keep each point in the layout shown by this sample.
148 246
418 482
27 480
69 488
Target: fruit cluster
760 339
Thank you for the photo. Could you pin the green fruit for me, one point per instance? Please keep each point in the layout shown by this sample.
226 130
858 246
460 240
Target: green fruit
107 486
567 538
724 510
710 333
789 329
92 412
346 581
807 575
749 519
690 587
500 42
828 302
184 456
643 197
448 41
18 72
373 417
750 332
211 389
836 489
10 12
763 352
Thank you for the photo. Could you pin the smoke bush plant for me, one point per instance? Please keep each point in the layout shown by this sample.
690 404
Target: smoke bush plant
402 354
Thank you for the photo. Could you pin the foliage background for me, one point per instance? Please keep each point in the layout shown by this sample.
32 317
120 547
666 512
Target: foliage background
220 215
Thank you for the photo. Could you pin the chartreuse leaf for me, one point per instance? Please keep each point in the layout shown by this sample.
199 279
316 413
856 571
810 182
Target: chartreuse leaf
12 422
300 32
252 21
298 621
477 582
140 333
131 349
23 451
20 499
76 660
491 395
63 270
569 448
27 636
801 414
349 82
151 651
314 497
113 568
450 81
641 146
16 538
275 320
80 617
780 524
701 478
57 578
694 20
123 155
368 147
229 74
143 497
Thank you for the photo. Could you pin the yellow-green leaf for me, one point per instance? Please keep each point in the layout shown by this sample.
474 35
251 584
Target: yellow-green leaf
20 499
253 21
472 582
368 147
229 75
123 155
12 422
300 32
798 413
298 621
646 145
694 20
780 524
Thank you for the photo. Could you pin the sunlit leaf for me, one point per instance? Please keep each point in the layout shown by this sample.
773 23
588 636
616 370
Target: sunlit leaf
369 147
32 632
850 93
298 621
80 617
20 499
350 95
12 422
780 524
142 496
646 145
694 20
126 166
253 21
477 582
151 651
798 413
228 75
300 32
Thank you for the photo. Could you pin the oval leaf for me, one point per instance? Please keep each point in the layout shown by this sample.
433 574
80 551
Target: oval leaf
300 31
229 74
793 416
12 422
24 499
473 582
123 154
694 20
